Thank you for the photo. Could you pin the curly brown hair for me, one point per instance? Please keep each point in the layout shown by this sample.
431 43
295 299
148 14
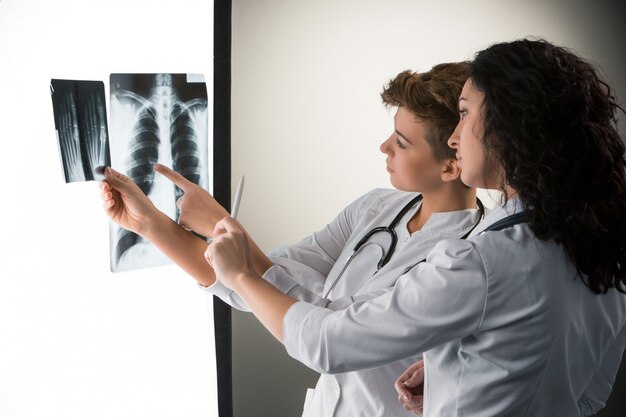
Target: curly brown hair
551 123
432 97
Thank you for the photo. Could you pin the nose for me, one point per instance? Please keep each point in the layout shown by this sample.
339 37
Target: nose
384 147
455 138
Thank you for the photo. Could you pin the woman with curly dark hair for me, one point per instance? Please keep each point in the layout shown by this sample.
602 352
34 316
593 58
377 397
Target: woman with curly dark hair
539 124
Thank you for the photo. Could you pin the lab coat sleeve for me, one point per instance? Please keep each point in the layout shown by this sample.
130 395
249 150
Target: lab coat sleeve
286 284
345 302
439 300
595 396
290 287
226 294
278 277
309 262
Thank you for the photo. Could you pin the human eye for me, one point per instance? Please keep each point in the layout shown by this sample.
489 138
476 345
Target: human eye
400 145
462 113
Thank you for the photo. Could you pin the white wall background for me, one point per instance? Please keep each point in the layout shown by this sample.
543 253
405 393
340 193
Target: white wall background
307 118
307 115
76 340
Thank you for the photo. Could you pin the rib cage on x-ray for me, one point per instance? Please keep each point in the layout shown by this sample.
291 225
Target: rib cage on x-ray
165 130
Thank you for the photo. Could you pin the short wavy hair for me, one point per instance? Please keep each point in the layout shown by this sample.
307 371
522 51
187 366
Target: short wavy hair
433 98
551 123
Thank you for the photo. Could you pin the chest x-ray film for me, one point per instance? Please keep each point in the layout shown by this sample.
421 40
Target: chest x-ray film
80 120
156 118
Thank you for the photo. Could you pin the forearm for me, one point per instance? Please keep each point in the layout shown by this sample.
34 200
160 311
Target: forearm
267 303
182 247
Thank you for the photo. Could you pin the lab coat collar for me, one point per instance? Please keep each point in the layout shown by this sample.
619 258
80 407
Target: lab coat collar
450 222
512 206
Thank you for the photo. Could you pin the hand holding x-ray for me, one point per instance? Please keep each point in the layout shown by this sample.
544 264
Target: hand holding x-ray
125 203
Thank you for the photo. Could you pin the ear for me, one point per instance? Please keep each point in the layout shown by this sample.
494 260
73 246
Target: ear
450 170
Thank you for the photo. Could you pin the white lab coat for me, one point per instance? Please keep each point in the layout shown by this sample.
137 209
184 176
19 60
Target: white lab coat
308 269
505 326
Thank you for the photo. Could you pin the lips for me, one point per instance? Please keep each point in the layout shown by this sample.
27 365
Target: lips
389 170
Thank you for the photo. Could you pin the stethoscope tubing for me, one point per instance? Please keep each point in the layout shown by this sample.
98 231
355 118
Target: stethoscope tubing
390 229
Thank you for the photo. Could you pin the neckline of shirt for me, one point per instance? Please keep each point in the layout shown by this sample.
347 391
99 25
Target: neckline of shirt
512 206
441 223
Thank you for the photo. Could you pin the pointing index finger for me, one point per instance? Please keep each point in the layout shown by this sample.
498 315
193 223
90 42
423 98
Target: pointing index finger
182 182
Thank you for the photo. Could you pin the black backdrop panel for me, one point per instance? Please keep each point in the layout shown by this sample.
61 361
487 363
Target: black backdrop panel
221 190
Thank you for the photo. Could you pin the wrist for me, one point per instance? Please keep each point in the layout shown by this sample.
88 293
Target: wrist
153 223
242 280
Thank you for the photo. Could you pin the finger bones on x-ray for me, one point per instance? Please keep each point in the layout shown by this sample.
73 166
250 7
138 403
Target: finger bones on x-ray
82 128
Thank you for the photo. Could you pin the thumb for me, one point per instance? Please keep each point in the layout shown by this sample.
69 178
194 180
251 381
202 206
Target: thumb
415 379
219 228
207 256
179 202
116 179
226 225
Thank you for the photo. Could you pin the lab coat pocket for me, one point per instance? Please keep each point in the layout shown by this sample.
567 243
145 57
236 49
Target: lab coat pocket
308 400
322 401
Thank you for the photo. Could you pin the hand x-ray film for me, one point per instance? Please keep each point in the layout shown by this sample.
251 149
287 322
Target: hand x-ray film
156 118
80 120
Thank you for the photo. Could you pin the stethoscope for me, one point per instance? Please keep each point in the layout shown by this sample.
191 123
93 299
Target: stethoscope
390 230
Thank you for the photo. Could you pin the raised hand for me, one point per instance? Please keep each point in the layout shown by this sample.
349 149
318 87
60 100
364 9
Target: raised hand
229 254
199 211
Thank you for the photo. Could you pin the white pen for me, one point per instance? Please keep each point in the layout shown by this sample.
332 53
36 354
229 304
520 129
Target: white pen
236 201
235 208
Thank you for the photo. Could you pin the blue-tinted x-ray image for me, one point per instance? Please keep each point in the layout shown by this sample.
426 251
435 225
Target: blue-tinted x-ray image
156 118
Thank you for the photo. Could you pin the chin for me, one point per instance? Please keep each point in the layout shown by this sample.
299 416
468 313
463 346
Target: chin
404 187
474 182
397 186
469 180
